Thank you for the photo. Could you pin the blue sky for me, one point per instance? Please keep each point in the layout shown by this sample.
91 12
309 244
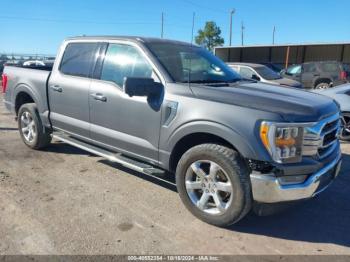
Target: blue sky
39 26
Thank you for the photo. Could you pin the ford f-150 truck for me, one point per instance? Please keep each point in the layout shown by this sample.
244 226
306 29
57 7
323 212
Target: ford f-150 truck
157 106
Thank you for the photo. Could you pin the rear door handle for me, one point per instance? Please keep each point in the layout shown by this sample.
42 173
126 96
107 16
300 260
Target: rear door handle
56 88
99 97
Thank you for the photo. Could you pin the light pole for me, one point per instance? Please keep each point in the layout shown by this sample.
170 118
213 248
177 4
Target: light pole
162 30
273 35
231 15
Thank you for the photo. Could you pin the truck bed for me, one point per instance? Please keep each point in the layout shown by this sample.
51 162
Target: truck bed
24 78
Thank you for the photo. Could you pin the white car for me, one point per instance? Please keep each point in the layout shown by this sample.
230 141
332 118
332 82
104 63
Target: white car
341 94
34 63
262 74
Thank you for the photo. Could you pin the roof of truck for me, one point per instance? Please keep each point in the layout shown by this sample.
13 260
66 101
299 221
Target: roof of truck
129 38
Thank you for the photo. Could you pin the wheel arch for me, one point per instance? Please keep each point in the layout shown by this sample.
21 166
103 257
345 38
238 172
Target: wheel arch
24 94
322 80
197 133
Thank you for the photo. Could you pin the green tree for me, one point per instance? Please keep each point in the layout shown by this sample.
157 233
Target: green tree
210 36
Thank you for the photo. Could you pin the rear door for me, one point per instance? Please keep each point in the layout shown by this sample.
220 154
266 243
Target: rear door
331 70
309 73
69 88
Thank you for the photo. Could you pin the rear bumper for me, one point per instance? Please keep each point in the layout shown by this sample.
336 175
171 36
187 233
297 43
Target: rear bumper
268 189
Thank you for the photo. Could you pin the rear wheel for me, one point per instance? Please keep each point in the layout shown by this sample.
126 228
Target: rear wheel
322 86
345 127
213 183
31 129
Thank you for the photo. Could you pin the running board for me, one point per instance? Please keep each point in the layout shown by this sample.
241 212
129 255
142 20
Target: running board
113 157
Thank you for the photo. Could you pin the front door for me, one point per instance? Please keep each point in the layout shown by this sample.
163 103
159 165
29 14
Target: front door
127 124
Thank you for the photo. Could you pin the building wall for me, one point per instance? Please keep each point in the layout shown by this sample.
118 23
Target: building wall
278 54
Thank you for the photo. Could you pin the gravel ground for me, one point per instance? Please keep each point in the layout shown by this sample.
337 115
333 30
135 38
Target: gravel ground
66 201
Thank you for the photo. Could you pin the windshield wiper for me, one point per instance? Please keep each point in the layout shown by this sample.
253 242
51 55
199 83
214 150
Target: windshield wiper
212 81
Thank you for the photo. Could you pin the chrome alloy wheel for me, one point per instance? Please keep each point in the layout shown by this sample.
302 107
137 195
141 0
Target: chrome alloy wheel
345 126
209 187
28 127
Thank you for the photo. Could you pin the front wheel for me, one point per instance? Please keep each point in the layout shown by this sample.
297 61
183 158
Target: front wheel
213 183
345 127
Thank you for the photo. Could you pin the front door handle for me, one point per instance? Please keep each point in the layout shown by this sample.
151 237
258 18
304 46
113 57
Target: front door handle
56 88
99 97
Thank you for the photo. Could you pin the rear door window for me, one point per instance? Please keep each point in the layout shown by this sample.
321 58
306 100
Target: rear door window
123 61
79 59
329 67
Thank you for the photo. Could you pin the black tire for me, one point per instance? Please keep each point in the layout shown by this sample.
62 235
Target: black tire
238 173
344 133
323 85
42 137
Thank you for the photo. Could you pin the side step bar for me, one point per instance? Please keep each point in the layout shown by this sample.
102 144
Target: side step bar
113 157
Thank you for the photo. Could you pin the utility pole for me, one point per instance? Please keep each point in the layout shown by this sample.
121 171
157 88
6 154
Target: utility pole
273 35
194 15
162 31
242 33
231 15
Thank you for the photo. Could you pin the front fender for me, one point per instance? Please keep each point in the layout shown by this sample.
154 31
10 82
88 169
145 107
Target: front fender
344 102
234 138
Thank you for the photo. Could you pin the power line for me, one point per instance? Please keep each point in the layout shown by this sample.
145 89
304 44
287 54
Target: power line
75 21
205 7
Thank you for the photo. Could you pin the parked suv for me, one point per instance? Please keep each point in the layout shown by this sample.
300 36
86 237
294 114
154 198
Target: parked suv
263 74
319 75
156 106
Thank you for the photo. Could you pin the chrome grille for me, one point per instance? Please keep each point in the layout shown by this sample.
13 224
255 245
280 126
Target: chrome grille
321 139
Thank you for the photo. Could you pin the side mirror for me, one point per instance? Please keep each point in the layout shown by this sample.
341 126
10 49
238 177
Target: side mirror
135 86
255 77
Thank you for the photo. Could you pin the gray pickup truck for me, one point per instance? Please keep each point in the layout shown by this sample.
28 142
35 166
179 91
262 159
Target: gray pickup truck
159 106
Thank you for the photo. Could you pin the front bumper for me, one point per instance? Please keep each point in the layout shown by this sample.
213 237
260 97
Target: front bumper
267 188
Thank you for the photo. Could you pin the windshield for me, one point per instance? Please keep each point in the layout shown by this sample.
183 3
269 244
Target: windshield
267 73
193 64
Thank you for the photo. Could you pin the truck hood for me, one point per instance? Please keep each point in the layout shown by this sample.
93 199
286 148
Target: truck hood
293 105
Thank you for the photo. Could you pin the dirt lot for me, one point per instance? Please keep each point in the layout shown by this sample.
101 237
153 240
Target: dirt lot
66 201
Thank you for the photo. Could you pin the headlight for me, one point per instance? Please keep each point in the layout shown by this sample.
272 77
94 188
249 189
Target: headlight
283 141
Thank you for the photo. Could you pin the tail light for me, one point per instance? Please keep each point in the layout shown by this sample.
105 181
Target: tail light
343 75
4 83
